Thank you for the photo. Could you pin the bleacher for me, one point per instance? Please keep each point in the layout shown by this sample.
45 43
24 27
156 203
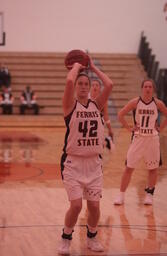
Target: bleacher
46 74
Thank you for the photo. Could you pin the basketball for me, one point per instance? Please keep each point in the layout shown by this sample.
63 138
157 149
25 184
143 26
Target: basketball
78 56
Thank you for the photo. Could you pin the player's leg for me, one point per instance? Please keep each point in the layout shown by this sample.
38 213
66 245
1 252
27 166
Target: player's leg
134 154
126 177
72 213
70 221
69 166
92 222
125 180
152 160
152 178
93 194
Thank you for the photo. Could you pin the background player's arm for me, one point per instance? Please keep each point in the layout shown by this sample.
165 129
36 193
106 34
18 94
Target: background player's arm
125 110
107 120
163 109
108 84
69 92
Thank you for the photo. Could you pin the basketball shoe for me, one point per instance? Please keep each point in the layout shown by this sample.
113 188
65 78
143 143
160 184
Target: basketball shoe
94 245
64 247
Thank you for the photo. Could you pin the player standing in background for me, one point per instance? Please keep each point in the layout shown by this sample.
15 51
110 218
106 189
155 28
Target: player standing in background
94 92
81 162
145 142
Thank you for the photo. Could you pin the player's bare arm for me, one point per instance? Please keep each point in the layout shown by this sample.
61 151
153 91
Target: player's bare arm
69 92
107 120
131 105
108 84
163 109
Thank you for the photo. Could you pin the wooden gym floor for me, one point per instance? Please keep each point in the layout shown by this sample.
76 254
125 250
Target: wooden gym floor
33 201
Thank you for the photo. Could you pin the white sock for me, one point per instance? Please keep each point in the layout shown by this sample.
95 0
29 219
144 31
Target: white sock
67 230
92 229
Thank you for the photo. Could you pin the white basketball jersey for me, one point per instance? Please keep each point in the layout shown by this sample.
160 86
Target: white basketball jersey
85 130
146 115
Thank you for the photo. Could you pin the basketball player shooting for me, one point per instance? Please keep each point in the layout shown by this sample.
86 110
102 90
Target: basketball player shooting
81 160
94 92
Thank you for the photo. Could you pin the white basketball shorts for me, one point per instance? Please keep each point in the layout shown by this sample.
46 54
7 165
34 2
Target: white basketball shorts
83 178
144 147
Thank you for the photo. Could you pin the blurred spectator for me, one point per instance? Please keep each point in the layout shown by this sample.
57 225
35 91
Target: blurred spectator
5 77
28 101
6 101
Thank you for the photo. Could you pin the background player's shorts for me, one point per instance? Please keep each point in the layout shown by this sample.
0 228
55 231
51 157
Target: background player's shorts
83 177
144 147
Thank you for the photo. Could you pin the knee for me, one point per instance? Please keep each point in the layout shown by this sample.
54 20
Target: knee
76 207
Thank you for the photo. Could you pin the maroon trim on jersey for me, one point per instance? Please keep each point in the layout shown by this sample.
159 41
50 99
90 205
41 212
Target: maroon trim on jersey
63 159
68 117
87 105
95 103
140 98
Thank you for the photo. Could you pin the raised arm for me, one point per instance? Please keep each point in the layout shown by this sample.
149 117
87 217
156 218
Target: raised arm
126 109
108 84
69 92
